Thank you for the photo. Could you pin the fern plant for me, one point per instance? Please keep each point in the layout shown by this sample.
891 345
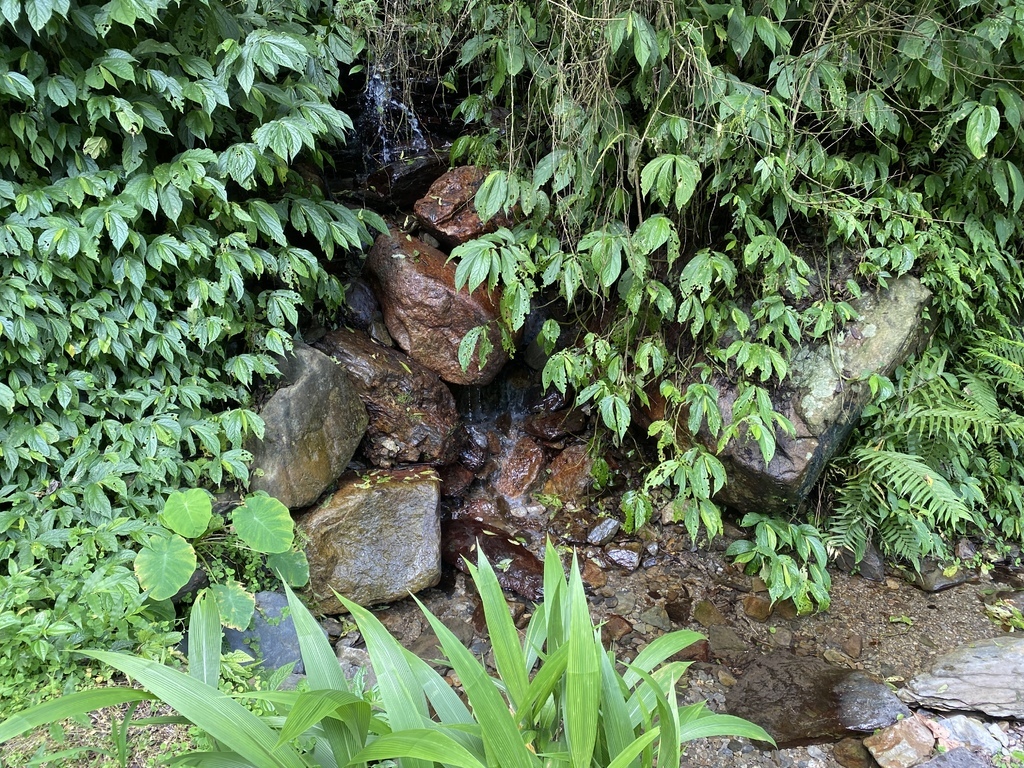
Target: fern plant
941 456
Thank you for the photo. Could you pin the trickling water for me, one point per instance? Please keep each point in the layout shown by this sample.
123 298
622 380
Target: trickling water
391 125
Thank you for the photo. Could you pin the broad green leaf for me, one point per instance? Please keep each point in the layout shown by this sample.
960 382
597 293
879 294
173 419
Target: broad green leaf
222 717
234 603
582 675
164 565
982 126
265 524
187 513
291 567
311 707
492 196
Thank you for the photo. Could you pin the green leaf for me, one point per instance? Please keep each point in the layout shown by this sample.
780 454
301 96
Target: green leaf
291 567
187 513
264 524
234 604
69 705
982 127
164 565
204 641
582 675
429 745
492 196
219 715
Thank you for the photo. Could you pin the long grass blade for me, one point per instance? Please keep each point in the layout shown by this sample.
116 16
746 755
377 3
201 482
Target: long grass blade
644 698
72 705
423 744
554 598
222 717
502 740
629 753
659 650
323 672
618 734
404 700
536 636
544 683
508 653
582 675
711 724
314 706
665 700
210 760
204 641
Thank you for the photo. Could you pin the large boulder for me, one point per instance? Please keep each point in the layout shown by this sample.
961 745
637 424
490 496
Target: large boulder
986 676
447 210
412 413
823 398
376 539
314 423
425 315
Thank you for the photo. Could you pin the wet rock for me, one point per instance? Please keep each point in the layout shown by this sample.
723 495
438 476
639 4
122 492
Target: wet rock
870 567
902 744
614 629
475 450
678 610
725 642
971 732
933 578
361 307
805 701
412 416
603 532
376 539
455 479
592 574
425 315
758 607
626 556
698 651
447 210
569 474
356 662
517 568
313 426
851 753
824 396
271 638
986 676
657 616
519 468
405 181
554 426
961 757
707 614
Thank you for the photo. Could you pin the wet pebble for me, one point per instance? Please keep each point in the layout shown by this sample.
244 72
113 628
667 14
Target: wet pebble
603 532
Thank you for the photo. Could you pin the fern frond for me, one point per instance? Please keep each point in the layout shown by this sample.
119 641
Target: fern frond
923 488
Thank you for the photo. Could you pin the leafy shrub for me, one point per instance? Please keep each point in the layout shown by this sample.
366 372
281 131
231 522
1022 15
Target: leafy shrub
149 266
578 707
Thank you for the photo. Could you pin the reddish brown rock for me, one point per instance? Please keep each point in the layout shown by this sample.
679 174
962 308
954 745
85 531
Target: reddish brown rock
757 606
518 468
593 576
902 744
516 568
455 479
447 210
615 628
851 753
569 474
698 651
425 315
412 413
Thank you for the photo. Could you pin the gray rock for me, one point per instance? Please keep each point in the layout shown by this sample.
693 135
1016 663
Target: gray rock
657 617
356 662
603 532
986 676
971 732
870 567
961 757
313 426
271 639
826 391
932 577
376 539
805 701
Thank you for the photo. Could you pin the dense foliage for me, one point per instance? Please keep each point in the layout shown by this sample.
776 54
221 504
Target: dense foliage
558 695
724 177
152 260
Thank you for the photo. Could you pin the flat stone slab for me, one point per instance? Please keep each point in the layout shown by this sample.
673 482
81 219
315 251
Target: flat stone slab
986 676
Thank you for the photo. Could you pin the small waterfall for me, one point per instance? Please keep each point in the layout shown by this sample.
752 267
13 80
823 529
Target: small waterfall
390 126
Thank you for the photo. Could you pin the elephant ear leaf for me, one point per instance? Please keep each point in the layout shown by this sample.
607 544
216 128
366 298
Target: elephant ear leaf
264 524
164 565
